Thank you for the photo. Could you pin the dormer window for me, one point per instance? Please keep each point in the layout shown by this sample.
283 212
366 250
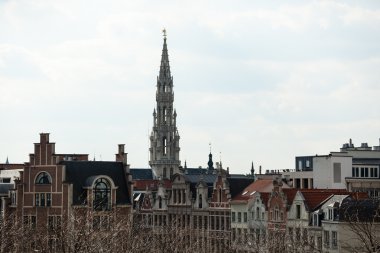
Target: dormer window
315 220
102 195
43 178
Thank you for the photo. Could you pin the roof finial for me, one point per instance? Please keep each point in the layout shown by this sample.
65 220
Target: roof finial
7 161
210 147
164 33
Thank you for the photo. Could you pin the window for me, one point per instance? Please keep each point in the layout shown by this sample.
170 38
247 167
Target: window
102 195
326 235
171 172
159 202
239 216
13 198
276 213
42 199
299 164
315 220
233 216
298 234
331 214
257 213
307 164
5 180
298 211
290 232
334 239
54 222
101 222
200 200
164 144
355 172
43 178
29 222
164 173
245 217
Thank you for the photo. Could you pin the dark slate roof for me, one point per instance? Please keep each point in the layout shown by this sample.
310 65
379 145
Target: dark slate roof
196 171
365 161
5 187
238 184
194 179
141 174
82 173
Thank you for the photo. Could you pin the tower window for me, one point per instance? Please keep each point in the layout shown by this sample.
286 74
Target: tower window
165 113
171 172
164 173
200 201
165 146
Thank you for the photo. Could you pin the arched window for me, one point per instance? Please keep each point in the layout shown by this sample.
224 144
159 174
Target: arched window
200 201
164 174
257 213
43 178
102 195
165 114
159 202
220 195
164 144
171 172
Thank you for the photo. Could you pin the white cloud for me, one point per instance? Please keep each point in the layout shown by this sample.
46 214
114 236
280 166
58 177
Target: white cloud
261 81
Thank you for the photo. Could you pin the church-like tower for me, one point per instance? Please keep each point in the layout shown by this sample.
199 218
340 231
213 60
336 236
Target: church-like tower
164 139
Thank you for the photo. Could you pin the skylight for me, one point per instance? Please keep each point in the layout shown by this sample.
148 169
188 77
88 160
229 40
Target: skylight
244 192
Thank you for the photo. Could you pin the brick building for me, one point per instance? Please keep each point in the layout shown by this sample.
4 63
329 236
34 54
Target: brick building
55 189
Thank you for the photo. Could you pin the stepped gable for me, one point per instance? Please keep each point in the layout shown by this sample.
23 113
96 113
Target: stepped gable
83 173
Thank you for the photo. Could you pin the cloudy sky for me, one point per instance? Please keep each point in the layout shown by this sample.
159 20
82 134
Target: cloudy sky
263 82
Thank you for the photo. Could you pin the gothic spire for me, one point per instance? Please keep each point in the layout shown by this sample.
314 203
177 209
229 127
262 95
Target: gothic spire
165 67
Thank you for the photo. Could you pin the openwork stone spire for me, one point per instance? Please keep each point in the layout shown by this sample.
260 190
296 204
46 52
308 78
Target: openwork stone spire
164 139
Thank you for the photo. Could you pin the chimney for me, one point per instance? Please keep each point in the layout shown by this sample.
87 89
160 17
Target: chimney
260 169
121 148
44 138
121 156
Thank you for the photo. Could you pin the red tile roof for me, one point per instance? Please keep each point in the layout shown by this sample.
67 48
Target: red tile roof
290 194
260 185
265 198
151 184
315 197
